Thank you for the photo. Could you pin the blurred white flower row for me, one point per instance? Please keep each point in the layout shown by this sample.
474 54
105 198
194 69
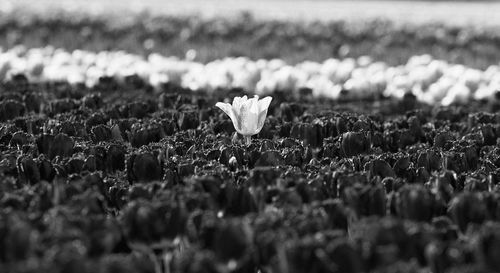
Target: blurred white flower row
432 81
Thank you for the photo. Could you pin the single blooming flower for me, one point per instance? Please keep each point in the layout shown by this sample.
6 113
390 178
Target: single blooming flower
248 115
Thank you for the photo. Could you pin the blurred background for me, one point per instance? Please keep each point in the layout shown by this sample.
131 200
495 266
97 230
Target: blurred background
451 12
464 32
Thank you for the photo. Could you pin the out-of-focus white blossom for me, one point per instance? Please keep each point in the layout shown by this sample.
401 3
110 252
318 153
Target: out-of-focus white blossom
431 81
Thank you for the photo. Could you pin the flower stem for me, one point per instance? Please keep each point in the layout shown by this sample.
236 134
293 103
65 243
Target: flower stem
248 140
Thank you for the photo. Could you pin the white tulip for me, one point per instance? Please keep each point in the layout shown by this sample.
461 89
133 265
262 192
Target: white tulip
485 92
247 115
458 93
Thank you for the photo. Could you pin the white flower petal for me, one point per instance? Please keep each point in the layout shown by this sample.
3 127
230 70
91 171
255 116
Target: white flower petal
237 103
263 107
228 109
254 105
264 103
248 119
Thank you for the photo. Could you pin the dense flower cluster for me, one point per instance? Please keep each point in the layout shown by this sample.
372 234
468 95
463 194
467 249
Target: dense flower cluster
431 81
128 180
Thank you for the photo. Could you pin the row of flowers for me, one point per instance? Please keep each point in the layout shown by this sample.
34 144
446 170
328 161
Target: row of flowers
430 80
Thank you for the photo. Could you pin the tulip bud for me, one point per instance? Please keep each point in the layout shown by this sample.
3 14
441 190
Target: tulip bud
354 143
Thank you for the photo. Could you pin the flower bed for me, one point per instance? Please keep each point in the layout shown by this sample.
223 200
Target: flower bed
129 161
431 81
119 178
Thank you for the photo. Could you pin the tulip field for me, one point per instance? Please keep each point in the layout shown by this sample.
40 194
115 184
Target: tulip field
159 143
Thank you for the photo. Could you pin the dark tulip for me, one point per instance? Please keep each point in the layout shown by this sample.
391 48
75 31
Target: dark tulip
239 201
290 111
104 235
137 109
270 158
188 120
19 139
227 152
74 166
232 240
44 143
10 109
199 261
401 166
437 258
345 256
445 228
364 199
213 155
33 102
115 158
328 128
303 255
187 168
422 176
47 170
90 164
100 133
337 213
307 132
293 157
169 127
139 191
489 135
143 167
447 114
455 161
223 126
467 208
488 246
264 176
430 160
476 184
375 200
62 106
361 125
266 145
354 143
377 139
405 138
19 239
28 169
445 185
149 223
388 240
415 127
62 145
99 157
94 120
144 136
341 125
17 79
388 183
92 101
415 202
284 129
471 154
443 140
379 167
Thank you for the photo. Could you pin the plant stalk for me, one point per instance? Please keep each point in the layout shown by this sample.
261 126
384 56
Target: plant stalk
248 140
